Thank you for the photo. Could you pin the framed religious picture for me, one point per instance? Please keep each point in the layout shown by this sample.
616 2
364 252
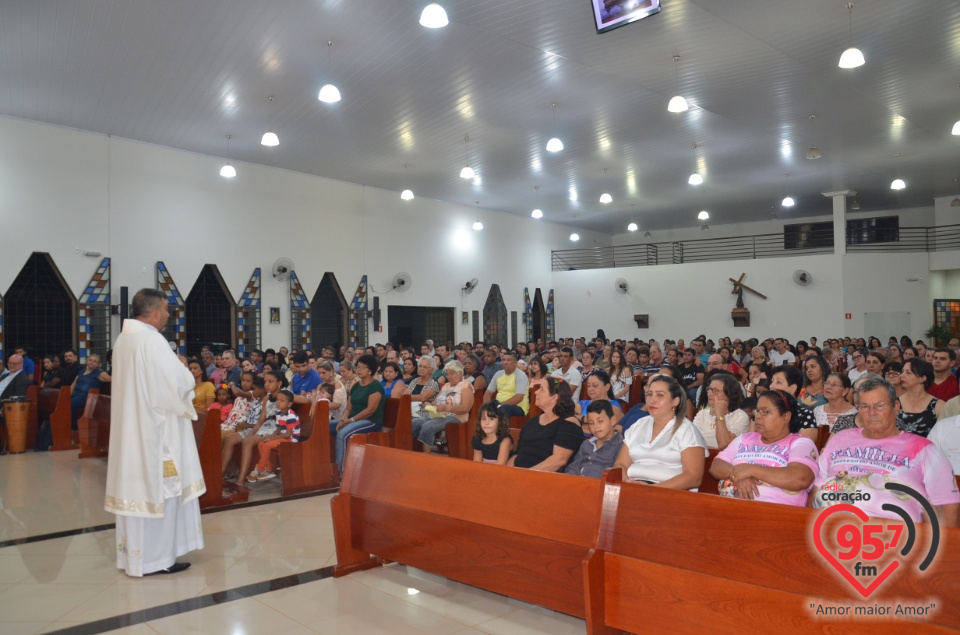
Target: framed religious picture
609 14
464 317
274 315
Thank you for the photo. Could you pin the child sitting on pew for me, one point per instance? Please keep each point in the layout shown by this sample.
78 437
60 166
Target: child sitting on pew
223 402
492 442
239 412
288 431
599 452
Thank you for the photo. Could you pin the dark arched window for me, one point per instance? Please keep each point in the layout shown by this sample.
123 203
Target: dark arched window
328 314
40 311
211 313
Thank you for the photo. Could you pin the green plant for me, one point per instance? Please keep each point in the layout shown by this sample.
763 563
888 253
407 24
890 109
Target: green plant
939 334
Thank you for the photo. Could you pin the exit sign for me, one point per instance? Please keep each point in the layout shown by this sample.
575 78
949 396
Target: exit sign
849 316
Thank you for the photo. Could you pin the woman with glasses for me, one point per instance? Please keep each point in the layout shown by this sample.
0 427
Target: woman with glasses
891 372
836 390
919 409
664 448
774 464
721 421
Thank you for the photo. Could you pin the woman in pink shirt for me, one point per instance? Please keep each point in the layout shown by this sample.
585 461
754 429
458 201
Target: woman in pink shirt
773 464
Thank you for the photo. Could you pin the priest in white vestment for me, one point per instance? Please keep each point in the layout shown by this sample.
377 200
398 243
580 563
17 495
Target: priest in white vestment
153 472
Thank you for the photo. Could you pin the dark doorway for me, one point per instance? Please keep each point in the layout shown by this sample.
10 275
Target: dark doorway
328 314
412 325
40 311
495 318
539 318
211 312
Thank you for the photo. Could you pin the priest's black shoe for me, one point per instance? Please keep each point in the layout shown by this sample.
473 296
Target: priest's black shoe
176 567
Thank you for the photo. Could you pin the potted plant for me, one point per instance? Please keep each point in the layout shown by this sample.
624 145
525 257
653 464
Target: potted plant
939 334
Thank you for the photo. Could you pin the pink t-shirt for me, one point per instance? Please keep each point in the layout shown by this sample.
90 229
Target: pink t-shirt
852 463
750 448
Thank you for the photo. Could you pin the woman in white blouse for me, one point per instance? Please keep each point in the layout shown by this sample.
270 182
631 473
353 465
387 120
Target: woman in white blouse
665 448
722 420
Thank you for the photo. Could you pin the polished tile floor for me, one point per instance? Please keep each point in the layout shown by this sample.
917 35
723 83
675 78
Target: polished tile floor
265 569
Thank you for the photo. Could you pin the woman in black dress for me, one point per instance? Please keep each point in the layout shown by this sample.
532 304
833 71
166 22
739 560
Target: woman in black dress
548 442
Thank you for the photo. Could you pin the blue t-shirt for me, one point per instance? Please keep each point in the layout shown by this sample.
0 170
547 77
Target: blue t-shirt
305 383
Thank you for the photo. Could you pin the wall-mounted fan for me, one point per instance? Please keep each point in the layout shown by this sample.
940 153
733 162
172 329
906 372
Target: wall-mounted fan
621 285
282 268
401 282
470 285
802 278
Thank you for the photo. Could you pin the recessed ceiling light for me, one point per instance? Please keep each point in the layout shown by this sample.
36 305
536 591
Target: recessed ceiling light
434 16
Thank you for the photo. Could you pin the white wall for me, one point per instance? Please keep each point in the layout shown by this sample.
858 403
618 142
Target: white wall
686 300
67 190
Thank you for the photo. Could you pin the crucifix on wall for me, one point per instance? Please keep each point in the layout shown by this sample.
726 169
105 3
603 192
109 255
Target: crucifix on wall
740 314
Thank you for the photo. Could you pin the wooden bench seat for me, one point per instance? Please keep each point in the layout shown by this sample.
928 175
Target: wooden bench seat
220 492
94 426
59 417
397 424
516 532
671 561
306 466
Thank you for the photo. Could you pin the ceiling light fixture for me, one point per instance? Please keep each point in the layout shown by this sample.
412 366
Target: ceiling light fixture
695 178
554 145
705 228
632 227
852 57
228 171
787 199
574 237
703 215
477 225
677 103
407 194
329 94
270 138
814 152
537 212
467 172
606 198
955 202
434 16
855 205
897 183
647 234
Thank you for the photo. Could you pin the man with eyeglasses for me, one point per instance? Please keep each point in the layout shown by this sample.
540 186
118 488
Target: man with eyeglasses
859 364
858 462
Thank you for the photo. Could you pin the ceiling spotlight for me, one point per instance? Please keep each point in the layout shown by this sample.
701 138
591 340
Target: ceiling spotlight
536 213
406 195
677 103
814 153
574 237
852 57
606 198
477 226
703 215
897 184
434 16
632 227
788 201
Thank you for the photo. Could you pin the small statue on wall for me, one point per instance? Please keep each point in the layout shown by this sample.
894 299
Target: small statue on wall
740 314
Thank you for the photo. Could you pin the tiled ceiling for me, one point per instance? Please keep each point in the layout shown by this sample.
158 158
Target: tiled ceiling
186 73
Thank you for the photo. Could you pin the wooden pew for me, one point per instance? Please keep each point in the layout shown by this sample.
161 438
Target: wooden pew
532 411
397 424
60 420
636 391
33 423
669 561
516 532
220 492
94 426
306 466
460 435
709 485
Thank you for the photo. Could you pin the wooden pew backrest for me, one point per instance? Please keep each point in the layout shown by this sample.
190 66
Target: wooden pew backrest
511 531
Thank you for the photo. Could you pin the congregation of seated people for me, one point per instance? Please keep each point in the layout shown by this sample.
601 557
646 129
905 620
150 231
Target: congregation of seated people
779 419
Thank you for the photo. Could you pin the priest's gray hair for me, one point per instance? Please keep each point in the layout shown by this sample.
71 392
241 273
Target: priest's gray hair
145 301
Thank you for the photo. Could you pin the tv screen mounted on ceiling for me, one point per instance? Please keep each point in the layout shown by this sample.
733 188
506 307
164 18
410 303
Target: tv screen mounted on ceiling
609 14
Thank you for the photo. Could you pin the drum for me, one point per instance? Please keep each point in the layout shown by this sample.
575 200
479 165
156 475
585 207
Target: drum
16 412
